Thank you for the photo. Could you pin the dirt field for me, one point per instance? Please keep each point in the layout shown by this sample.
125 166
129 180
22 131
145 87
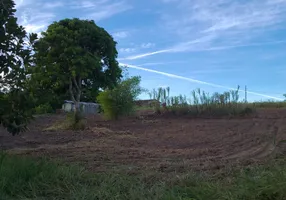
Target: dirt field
158 143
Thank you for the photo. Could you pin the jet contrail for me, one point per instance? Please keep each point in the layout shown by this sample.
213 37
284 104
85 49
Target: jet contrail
184 47
146 54
197 81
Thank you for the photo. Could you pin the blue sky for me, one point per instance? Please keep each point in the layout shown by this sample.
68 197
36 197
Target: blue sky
214 45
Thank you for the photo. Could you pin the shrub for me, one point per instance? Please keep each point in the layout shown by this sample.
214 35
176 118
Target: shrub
43 109
120 100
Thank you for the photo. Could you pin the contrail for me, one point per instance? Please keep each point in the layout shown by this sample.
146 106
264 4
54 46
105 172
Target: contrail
197 81
146 54
184 47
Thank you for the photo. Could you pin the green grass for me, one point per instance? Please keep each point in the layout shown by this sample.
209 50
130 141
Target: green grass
250 183
26 178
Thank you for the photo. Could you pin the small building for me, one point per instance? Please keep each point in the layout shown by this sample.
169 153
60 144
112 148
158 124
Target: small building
86 107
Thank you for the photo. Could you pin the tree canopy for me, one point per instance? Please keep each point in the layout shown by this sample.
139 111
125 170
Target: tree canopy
15 58
77 56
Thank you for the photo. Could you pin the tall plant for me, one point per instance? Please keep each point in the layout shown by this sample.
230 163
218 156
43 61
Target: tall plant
119 101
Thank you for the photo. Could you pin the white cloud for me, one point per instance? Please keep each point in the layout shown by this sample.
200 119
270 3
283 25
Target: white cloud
101 9
198 81
121 34
20 3
50 5
147 45
219 15
34 28
223 23
160 63
35 21
127 50
36 15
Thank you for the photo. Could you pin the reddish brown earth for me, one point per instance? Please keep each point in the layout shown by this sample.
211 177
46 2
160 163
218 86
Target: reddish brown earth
160 143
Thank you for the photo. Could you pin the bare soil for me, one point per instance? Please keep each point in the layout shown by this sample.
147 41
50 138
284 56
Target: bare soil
161 143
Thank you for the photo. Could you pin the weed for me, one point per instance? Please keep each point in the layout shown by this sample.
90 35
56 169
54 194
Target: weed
202 103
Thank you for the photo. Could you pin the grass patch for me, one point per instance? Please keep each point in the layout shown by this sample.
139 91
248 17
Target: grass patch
250 183
26 178
71 122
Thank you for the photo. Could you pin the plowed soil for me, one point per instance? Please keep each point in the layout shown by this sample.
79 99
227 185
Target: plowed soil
160 143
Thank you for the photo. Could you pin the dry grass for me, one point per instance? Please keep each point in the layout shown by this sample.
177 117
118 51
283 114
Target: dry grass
68 123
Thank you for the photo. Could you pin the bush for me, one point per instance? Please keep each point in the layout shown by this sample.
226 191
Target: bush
43 109
120 100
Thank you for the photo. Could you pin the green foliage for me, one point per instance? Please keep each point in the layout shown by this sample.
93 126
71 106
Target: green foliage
75 57
119 101
14 111
161 94
43 109
43 91
15 108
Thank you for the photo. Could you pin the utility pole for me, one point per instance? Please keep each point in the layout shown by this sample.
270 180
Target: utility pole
245 98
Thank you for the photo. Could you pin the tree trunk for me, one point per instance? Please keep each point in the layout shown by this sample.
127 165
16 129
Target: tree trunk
75 93
76 107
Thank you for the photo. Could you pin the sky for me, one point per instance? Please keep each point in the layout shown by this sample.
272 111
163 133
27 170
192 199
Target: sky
214 45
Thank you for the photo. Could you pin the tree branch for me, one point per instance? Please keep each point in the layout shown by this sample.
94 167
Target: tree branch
75 83
79 82
71 91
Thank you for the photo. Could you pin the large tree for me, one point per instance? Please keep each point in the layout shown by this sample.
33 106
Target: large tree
15 58
78 56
